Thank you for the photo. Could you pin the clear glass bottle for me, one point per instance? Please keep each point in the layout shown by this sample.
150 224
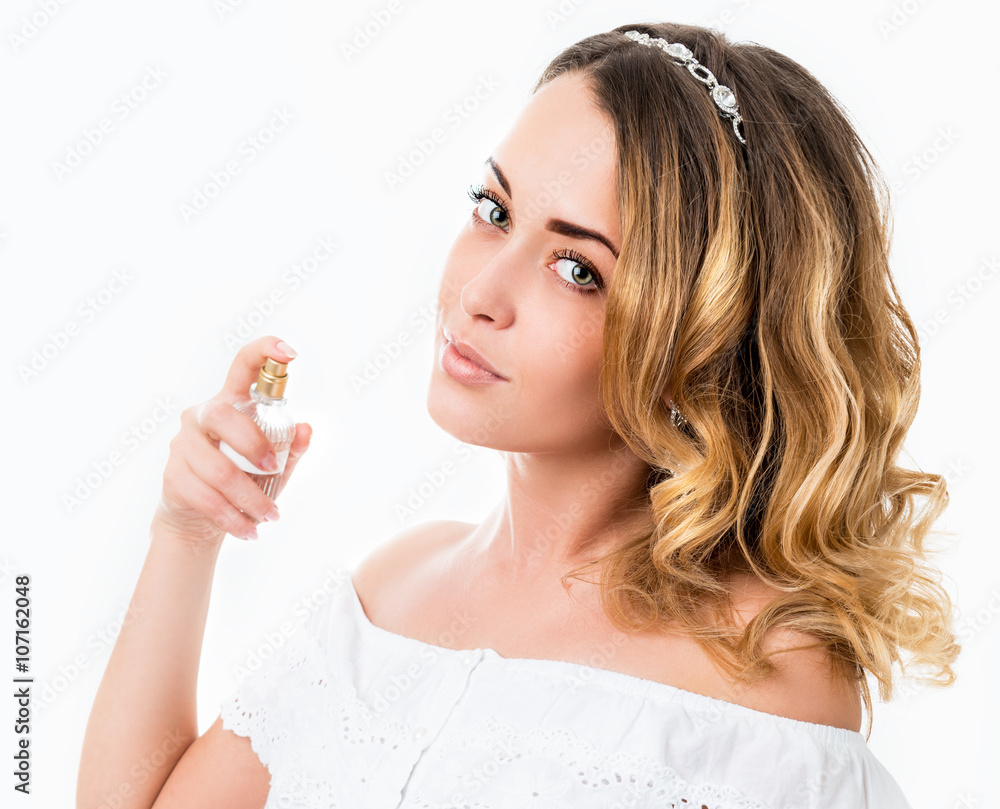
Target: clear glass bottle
266 406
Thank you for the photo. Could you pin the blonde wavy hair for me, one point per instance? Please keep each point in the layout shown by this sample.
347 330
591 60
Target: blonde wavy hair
754 290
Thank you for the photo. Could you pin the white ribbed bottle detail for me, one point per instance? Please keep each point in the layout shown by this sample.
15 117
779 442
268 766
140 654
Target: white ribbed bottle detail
269 412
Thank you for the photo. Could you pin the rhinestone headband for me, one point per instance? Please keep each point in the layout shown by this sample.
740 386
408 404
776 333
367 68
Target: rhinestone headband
723 97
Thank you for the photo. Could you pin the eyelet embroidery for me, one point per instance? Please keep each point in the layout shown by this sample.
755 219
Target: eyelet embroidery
555 766
325 747
550 761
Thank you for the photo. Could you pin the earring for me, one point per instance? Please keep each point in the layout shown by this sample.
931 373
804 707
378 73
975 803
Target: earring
676 417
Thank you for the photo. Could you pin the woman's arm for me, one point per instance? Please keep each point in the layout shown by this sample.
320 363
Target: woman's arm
144 714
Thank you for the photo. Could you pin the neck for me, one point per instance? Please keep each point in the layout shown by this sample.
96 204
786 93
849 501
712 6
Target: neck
561 511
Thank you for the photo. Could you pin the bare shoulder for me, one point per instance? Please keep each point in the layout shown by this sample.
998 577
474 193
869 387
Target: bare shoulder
810 684
402 552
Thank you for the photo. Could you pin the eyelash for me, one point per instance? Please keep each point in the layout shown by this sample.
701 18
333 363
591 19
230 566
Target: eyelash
478 193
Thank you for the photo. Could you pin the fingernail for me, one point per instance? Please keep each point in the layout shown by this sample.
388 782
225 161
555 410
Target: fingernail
287 349
251 534
273 514
269 462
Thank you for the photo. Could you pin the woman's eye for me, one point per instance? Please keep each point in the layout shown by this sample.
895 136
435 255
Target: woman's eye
577 275
576 267
489 211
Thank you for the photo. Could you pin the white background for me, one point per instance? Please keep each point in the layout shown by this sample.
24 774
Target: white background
919 78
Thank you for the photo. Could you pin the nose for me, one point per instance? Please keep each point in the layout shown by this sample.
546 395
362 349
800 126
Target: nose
489 294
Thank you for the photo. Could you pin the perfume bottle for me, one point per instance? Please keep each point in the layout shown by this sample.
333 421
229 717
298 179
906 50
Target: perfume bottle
266 406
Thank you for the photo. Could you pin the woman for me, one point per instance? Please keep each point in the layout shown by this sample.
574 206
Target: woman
671 310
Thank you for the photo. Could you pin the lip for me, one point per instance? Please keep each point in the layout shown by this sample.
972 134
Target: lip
463 361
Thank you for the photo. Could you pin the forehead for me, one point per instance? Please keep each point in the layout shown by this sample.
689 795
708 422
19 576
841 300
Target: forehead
560 156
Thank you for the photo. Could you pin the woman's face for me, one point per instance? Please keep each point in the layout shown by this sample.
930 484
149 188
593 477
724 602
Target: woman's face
523 286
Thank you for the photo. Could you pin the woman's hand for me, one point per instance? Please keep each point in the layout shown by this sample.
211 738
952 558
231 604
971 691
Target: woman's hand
205 495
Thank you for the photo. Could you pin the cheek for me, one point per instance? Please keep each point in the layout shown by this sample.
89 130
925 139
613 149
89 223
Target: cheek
452 279
555 346
563 352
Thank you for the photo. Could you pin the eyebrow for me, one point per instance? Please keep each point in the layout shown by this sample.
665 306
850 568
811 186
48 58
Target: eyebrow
560 226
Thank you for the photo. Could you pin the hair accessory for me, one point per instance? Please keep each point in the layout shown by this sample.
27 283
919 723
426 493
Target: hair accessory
676 417
724 98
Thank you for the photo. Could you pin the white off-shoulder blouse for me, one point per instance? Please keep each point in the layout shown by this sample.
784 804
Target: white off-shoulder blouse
347 714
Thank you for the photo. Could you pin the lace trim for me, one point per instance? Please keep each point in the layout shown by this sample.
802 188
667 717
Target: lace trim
553 765
576 677
308 726
339 733
304 725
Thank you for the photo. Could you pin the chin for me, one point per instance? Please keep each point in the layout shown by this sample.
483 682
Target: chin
469 418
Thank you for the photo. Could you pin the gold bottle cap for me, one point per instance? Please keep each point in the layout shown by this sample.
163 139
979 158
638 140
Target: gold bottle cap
272 378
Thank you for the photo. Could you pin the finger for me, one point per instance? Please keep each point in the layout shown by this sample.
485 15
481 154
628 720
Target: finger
209 501
219 421
246 366
303 435
235 485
